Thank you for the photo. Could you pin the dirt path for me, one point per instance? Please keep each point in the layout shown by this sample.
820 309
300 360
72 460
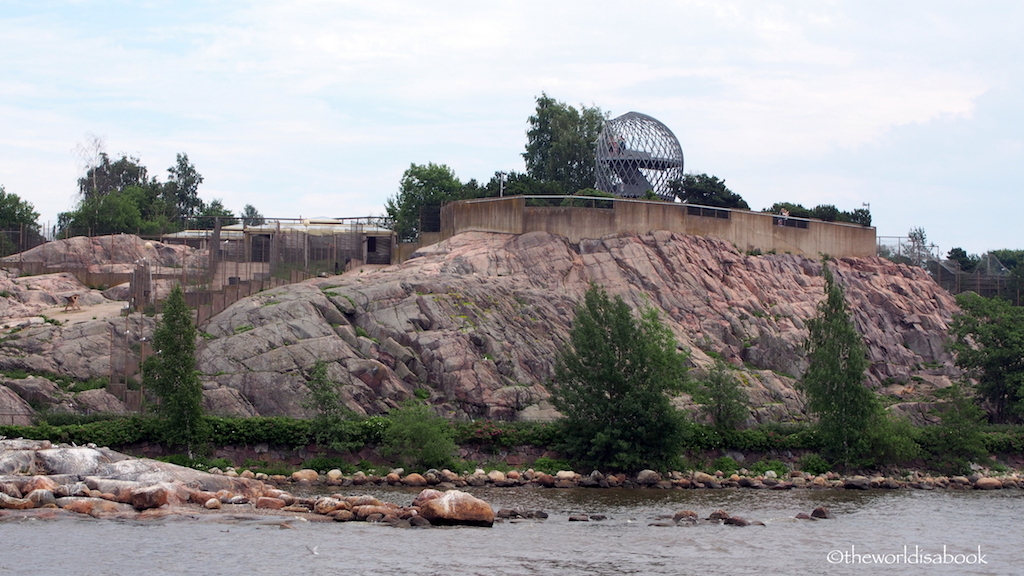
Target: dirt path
94 312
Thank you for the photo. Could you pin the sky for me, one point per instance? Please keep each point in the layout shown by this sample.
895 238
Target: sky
316 108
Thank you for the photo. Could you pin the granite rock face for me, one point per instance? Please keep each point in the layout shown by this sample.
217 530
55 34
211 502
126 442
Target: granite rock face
477 321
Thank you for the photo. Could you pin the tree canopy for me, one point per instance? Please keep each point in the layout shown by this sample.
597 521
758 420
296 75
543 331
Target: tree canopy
834 382
824 212
989 345
20 218
706 191
119 197
171 371
612 384
422 191
561 142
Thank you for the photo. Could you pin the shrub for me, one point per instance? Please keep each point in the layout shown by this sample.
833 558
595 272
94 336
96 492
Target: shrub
725 464
814 464
419 438
762 466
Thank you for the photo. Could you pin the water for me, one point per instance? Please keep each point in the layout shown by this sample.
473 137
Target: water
875 522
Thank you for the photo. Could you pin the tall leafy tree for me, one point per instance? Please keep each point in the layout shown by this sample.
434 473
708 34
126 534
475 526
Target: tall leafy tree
834 381
251 216
112 213
171 373
722 398
19 218
612 385
422 191
206 219
561 143
182 188
989 345
106 177
706 191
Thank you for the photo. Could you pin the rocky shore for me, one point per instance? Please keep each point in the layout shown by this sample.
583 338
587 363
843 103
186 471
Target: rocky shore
446 479
39 478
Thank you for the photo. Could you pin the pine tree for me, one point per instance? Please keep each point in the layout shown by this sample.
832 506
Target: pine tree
171 373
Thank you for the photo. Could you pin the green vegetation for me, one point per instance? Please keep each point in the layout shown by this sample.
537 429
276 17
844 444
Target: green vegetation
958 440
17 215
417 437
989 346
853 427
331 425
561 142
722 398
814 464
825 212
171 372
612 384
705 190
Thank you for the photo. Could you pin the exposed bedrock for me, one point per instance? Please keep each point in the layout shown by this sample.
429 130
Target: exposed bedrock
477 321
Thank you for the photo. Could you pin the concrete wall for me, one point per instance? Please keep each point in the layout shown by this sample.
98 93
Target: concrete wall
746 230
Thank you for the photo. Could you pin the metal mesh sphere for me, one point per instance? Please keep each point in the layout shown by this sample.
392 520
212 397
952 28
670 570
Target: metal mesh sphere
636 153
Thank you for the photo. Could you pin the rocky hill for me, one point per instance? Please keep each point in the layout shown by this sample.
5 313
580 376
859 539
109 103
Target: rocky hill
476 322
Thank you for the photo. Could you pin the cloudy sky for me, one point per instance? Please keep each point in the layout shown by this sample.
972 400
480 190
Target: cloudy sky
315 108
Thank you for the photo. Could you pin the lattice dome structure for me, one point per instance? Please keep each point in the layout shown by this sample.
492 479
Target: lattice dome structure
636 153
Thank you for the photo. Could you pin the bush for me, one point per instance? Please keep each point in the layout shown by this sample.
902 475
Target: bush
324 464
550 465
419 438
761 466
814 464
725 464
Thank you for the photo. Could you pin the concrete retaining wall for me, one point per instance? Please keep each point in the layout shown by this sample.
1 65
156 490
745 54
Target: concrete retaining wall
748 231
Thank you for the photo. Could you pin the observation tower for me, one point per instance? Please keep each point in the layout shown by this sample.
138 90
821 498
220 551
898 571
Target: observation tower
637 153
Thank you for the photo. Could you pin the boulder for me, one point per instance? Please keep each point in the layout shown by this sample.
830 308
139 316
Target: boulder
14 410
157 495
857 483
457 508
987 483
305 474
96 507
821 512
270 503
414 479
41 497
648 477
12 503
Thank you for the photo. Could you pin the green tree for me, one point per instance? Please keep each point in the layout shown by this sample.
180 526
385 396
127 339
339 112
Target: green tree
989 346
612 384
18 222
957 440
834 381
967 263
251 216
421 193
706 190
182 188
207 217
112 213
561 142
171 373
418 437
106 177
331 415
721 397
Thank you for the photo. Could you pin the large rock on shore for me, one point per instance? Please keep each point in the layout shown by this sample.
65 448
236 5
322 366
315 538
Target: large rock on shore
454 508
477 321
109 471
